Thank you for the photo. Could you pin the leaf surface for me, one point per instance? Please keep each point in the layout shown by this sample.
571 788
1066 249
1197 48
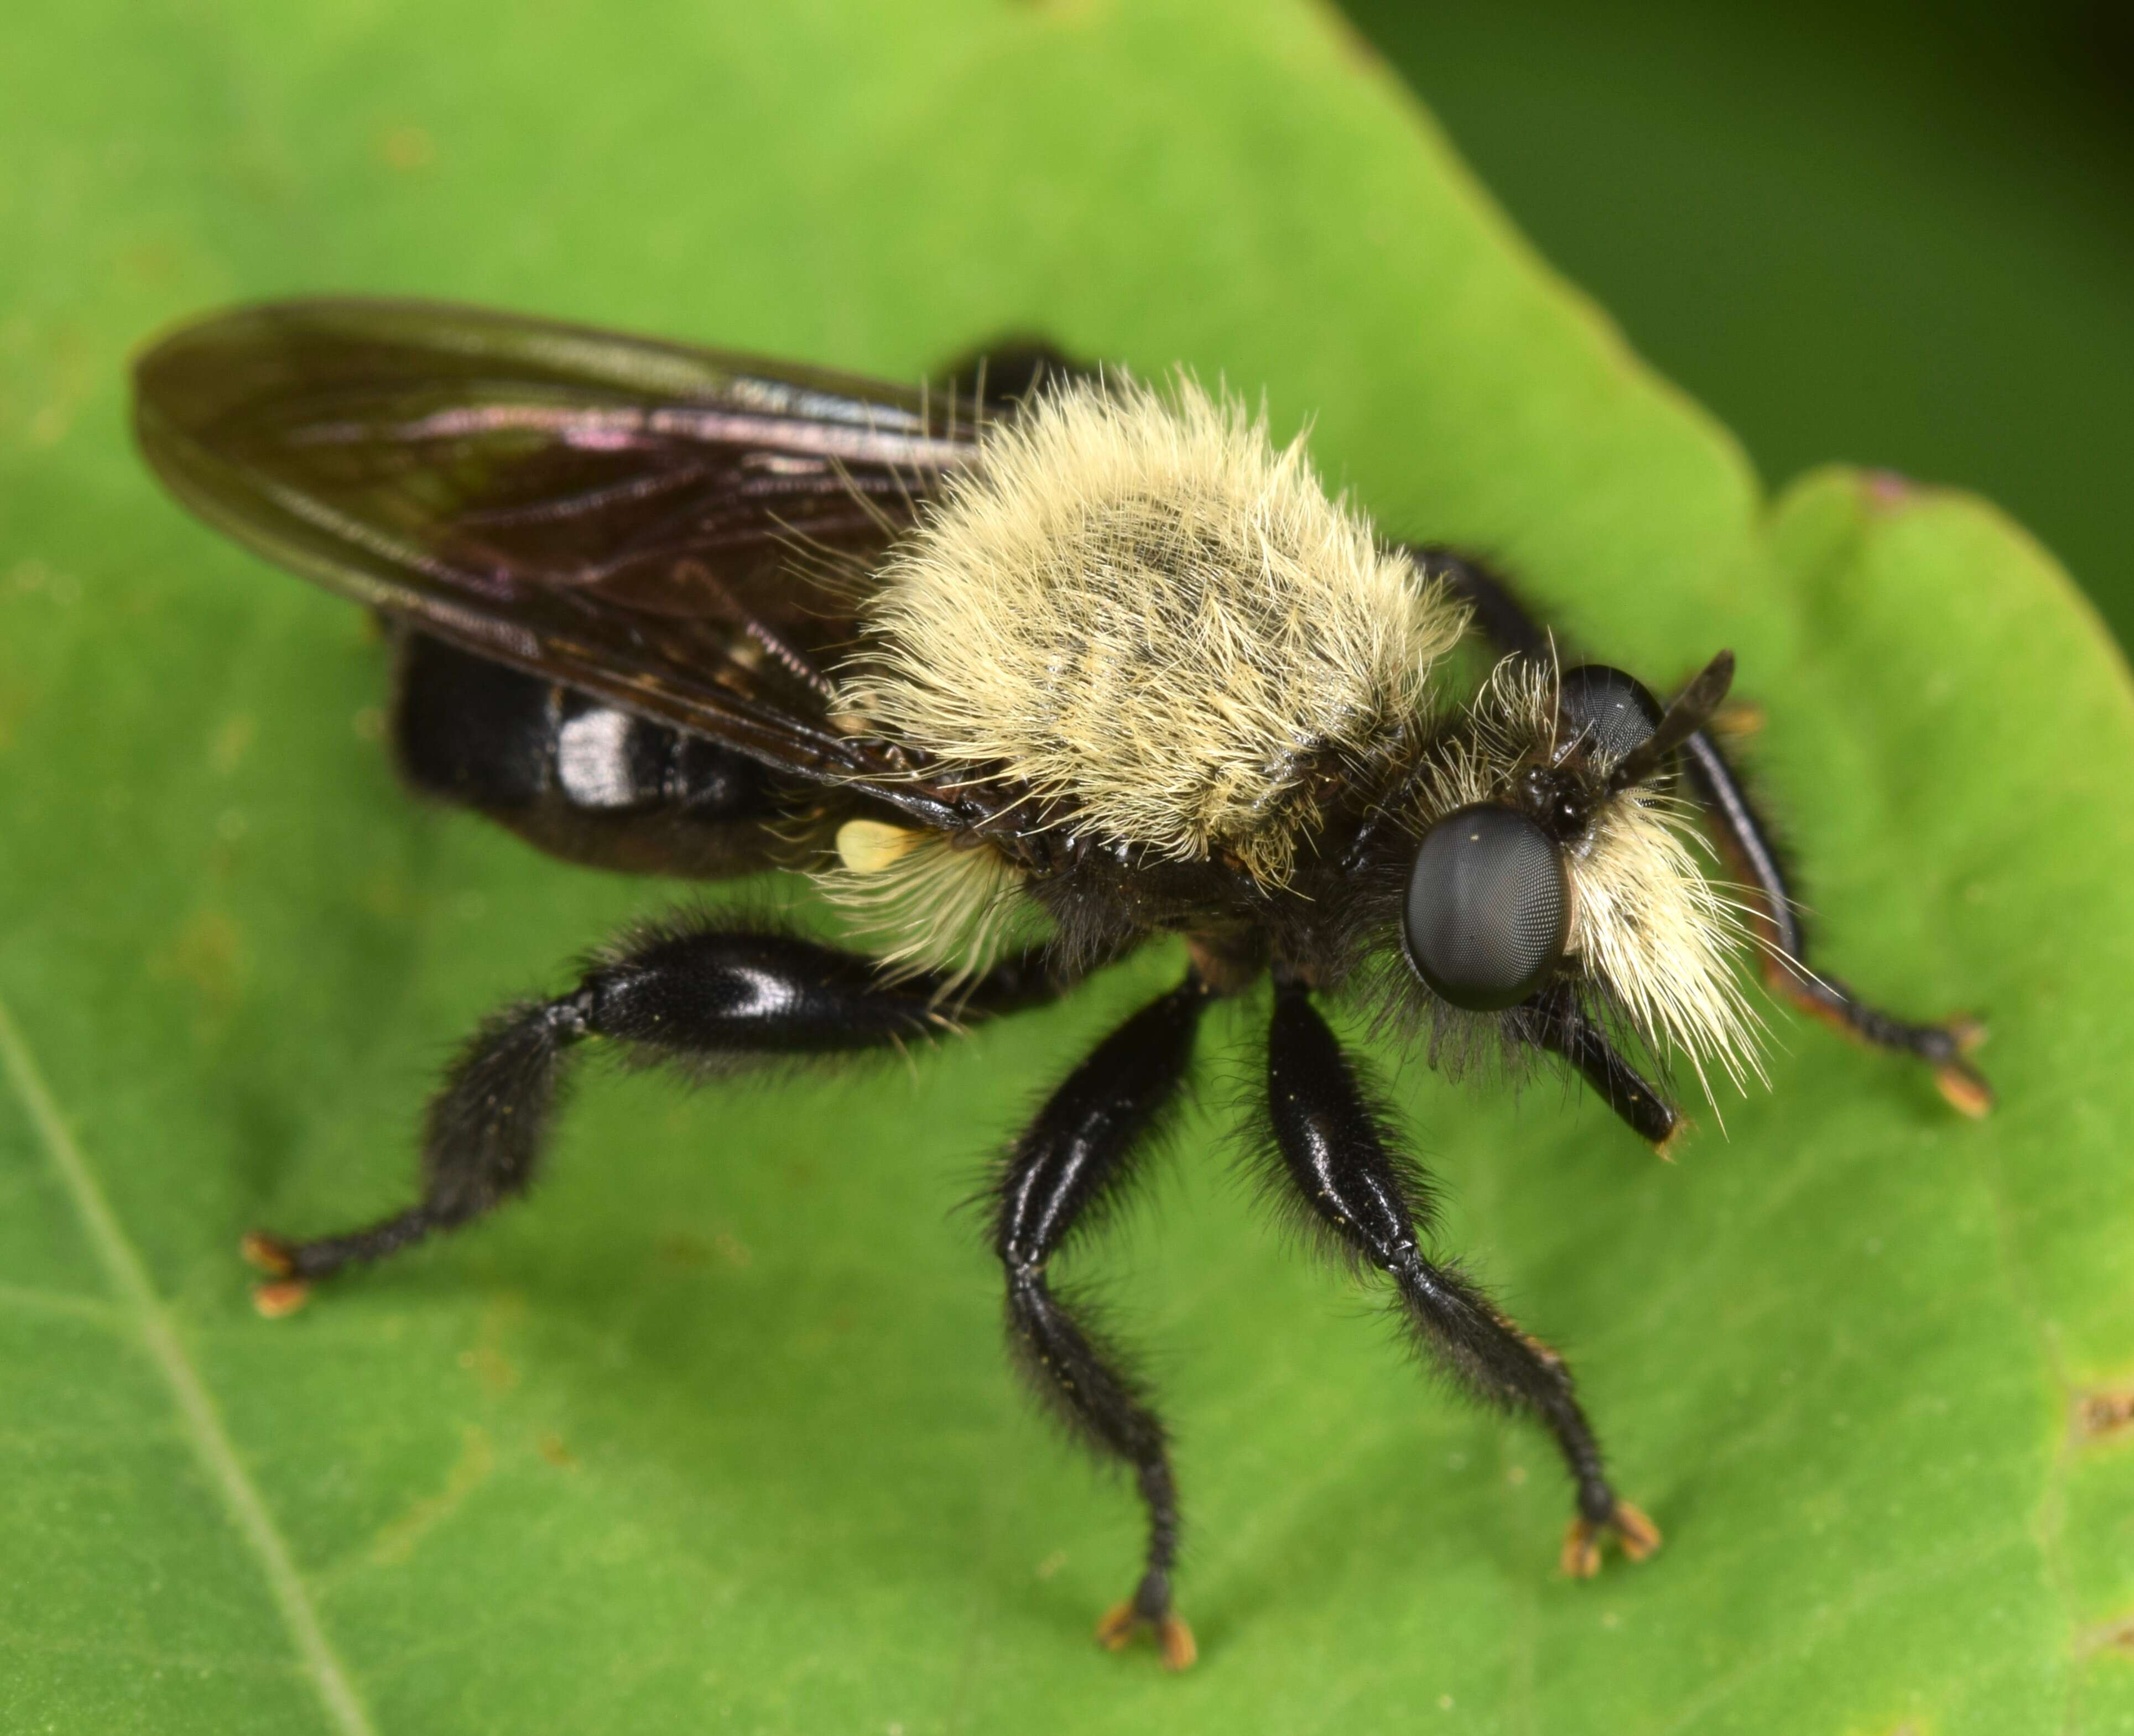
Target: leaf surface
714 1433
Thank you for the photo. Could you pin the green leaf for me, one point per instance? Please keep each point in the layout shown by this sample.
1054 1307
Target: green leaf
714 1433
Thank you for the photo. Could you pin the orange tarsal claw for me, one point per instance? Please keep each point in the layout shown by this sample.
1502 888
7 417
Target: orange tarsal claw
1636 1534
1963 1085
284 1292
268 1254
1965 1089
284 1296
1173 1639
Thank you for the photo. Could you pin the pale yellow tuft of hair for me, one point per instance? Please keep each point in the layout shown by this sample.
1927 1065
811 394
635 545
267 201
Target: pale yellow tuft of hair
1135 603
931 902
1649 924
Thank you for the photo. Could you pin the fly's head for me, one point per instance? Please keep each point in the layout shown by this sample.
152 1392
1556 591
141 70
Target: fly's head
1545 856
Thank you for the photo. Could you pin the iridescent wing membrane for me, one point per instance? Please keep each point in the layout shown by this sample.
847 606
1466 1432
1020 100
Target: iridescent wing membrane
674 530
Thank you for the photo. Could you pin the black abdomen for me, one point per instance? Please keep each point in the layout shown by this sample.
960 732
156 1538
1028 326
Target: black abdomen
580 779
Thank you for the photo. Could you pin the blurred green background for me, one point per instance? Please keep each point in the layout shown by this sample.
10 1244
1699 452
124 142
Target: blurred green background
1879 233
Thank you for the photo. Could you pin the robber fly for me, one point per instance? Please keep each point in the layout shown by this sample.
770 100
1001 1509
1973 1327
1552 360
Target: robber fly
1026 671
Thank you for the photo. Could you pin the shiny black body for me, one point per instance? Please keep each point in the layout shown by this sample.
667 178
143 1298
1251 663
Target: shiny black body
616 573
581 779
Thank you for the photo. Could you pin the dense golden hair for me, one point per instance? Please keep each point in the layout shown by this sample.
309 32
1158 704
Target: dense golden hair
1138 605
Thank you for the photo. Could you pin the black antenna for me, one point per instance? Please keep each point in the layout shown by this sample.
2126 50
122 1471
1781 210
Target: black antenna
1692 708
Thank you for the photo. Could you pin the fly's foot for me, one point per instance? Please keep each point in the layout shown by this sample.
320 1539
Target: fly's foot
1960 1083
1637 1535
1148 1611
268 1254
284 1292
284 1296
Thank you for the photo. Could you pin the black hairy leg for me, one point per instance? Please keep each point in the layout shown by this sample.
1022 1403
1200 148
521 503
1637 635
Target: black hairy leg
1746 840
1558 1023
1086 1148
686 993
1375 1205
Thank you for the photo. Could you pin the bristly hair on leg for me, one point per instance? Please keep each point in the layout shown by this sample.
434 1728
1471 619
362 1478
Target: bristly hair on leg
758 918
1257 1163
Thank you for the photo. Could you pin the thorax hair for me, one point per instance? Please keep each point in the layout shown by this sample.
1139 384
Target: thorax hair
1138 606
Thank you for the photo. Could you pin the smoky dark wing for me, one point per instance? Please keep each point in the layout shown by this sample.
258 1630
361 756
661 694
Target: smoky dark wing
679 531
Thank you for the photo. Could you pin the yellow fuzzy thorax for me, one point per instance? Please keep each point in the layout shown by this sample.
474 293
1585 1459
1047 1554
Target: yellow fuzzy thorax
1138 606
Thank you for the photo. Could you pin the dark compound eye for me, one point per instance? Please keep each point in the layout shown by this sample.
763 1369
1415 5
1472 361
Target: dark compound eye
1488 906
1615 709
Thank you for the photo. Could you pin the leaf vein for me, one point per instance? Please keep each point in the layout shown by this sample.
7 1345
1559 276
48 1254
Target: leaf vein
128 1277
